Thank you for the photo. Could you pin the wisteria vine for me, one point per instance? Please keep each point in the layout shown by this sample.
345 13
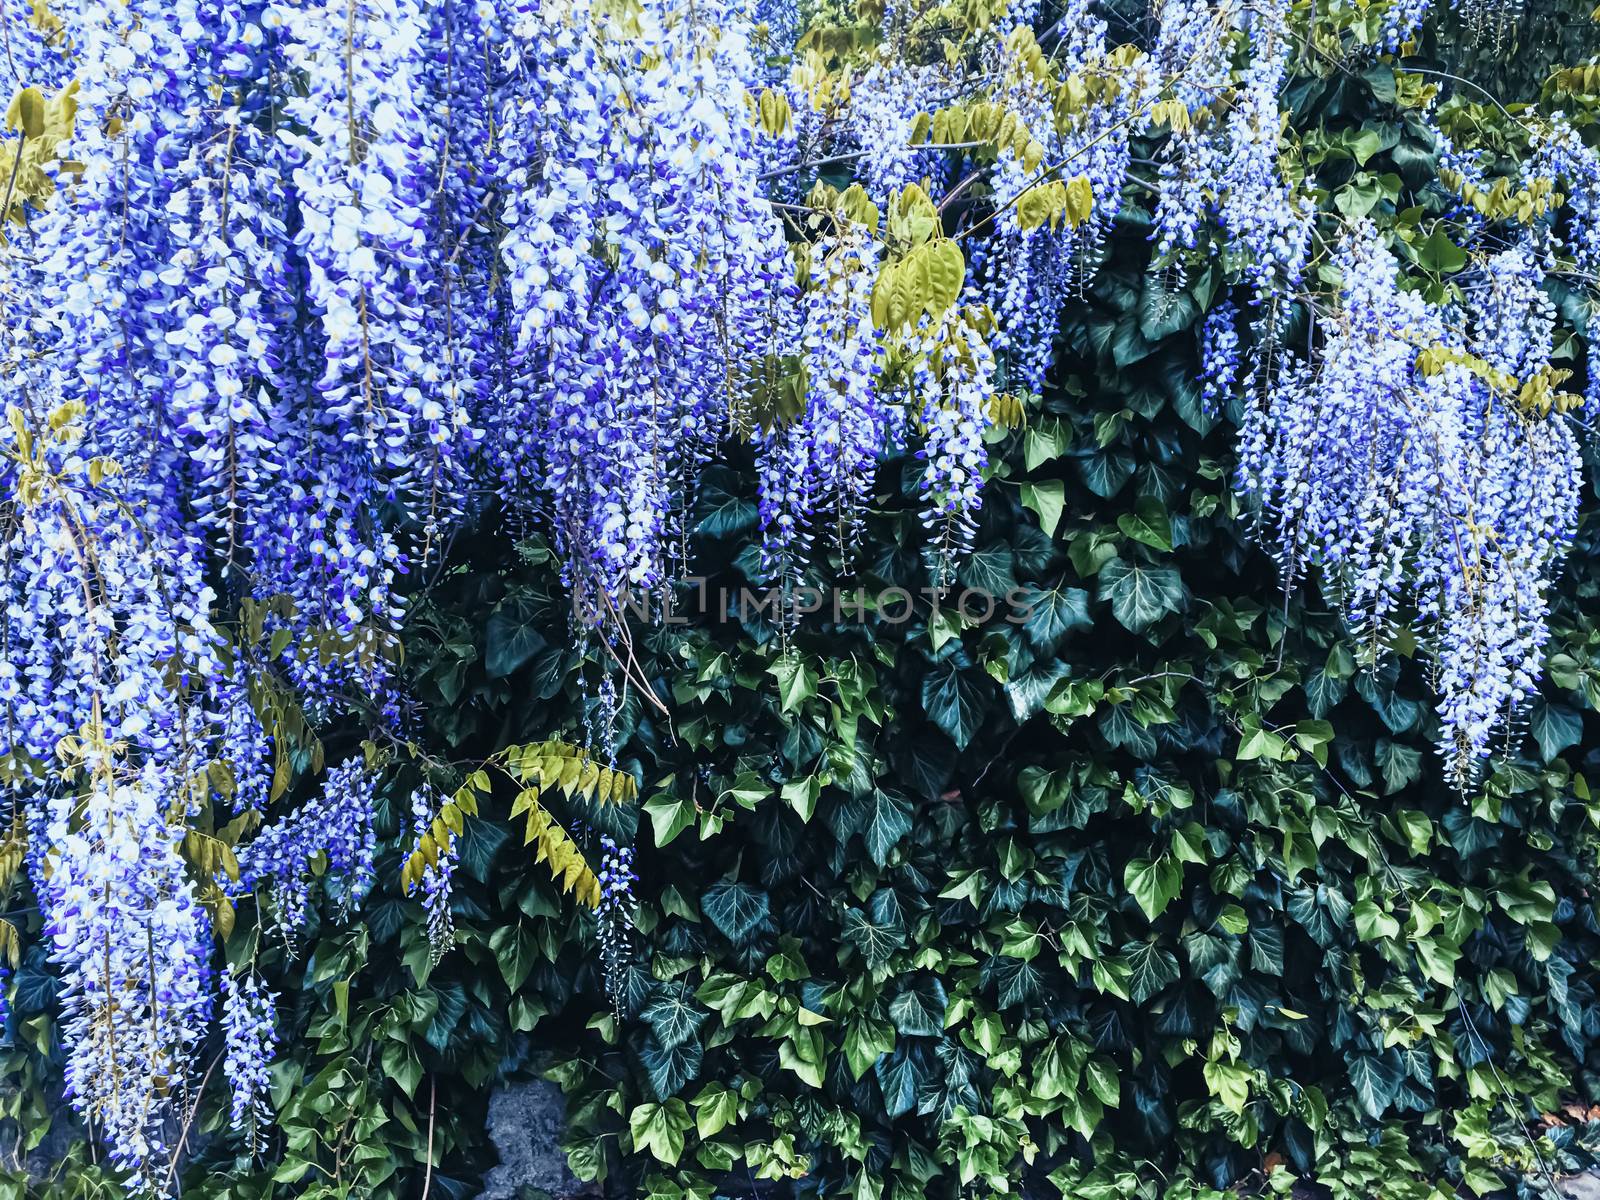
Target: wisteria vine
303 286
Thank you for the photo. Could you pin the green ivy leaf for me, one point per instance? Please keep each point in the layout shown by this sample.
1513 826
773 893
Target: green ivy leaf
1229 1082
955 700
1416 828
1378 688
1323 692
1148 523
897 1079
1372 923
668 1068
1321 911
917 1010
1105 472
1102 1076
516 949
801 795
548 671
669 815
1140 595
1555 728
1044 442
715 1108
400 1063
1439 254
1090 551
1163 313
1266 949
1400 764
726 514
511 637
802 1053
660 1129
1314 738
866 1040
797 681
878 931
1051 612
1437 956
1029 690
735 910
673 1015
1376 1080
1151 969
1047 498
888 820
1016 982
480 840
990 570
1233 919
1154 883
1258 743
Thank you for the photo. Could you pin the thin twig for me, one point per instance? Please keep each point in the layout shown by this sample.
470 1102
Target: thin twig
427 1174
183 1137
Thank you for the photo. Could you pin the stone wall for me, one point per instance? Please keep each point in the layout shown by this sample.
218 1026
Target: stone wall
526 1121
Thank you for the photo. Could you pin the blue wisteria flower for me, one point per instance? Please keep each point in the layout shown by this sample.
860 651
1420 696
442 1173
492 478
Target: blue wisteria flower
955 382
1419 485
618 906
332 830
816 472
249 1026
434 887
884 105
632 360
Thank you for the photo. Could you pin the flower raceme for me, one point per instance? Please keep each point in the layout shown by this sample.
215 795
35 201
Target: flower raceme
321 280
1401 464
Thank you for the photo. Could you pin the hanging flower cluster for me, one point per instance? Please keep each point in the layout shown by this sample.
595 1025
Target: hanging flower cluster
110 677
434 886
884 106
331 832
1262 219
1221 164
1561 156
643 263
615 915
815 472
322 277
1414 463
251 1029
1032 262
1219 357
952 381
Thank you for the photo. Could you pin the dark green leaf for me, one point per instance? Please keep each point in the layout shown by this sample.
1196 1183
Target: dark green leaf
1051 612
1555 727
673 1014
1376 1080
897 1079
1152 968
516 949
888 820
1141 595
956 700
878 931
668 1070
1148 523
735 910
511 638
917 1009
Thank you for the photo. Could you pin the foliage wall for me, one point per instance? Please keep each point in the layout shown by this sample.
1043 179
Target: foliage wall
1152 893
